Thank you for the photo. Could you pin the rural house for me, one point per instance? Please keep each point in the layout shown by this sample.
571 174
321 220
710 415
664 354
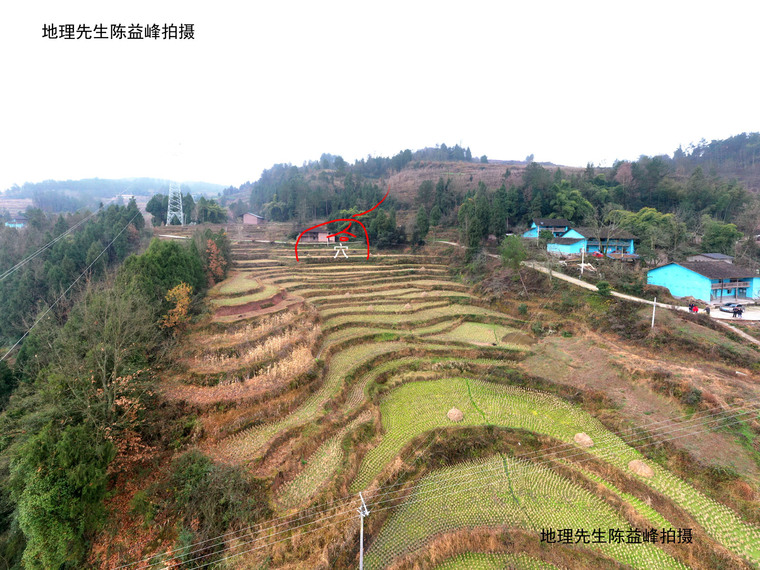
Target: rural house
18 221
708 281
556 226
253 219
603 240
314 236
711 257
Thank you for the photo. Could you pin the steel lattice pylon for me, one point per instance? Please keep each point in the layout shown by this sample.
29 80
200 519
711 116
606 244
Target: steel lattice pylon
175 204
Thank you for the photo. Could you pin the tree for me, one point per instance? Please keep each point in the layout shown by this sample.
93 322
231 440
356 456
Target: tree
482 210
425 193
58 479
216 263
720 237
570 204
544 237
157 206
179 316
512 252
435 215
484 159
421 226
8 383
500 213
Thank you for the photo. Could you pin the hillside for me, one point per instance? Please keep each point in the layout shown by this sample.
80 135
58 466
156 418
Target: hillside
471 418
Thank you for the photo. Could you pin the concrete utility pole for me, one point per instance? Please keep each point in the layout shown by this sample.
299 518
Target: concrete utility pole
654 308
363 512
583 259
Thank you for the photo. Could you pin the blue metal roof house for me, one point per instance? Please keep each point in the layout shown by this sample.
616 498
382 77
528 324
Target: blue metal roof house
604 240
17 222
556 226
708 281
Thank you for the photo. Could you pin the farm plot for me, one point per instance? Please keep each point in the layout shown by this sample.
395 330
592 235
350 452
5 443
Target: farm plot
419 316
273 344
266 292
321 465
477 333
493 561
524 495
245 385
237 335
249 443
413 409
359 331
242 282
380 308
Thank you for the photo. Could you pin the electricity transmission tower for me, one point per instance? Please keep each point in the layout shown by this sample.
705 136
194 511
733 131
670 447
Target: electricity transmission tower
175 204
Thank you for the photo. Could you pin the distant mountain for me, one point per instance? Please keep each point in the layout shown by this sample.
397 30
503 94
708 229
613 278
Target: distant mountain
70 195
108 188
735 157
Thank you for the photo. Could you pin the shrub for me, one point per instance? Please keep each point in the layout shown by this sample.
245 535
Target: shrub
211 497
603 287
692 397
522 308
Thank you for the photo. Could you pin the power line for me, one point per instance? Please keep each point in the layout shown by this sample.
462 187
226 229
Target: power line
336 502
486 479
402 494
52 242
68 288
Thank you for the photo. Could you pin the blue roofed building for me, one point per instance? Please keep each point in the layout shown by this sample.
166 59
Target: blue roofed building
604 240
708 281
607 240
18 221
556 226
566 245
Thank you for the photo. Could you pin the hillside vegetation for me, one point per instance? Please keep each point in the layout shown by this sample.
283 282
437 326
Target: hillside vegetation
309 382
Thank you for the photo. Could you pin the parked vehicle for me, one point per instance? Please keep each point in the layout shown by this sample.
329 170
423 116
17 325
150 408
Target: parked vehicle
729 307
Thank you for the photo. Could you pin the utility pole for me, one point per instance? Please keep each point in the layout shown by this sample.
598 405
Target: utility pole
363 512
583 258
654 308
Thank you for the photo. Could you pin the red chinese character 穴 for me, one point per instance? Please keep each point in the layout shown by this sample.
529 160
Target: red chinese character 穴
345 231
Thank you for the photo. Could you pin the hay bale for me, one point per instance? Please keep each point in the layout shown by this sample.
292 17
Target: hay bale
455 415
583 440
408 307
640 468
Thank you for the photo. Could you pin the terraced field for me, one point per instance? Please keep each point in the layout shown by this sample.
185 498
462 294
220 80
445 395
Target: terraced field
322 374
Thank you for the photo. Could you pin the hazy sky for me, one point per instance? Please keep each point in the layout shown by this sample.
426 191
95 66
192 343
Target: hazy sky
266 82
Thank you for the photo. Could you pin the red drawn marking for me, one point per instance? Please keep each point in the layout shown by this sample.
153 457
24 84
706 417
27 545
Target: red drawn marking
366 235
350 221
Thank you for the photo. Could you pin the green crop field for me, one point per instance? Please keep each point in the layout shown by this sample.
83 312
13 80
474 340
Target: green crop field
477 333
489 561
240 283
320 466
523 495
413 409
